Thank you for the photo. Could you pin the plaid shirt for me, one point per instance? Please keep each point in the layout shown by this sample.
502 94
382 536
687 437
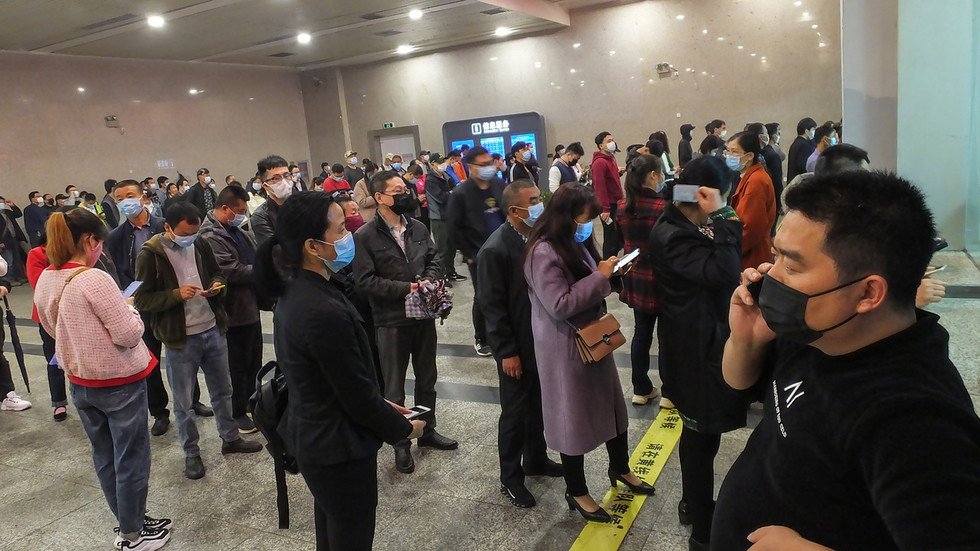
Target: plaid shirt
635 230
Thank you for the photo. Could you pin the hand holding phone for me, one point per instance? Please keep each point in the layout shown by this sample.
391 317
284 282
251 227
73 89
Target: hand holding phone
131 290
214 290
416 411
935 270
623 262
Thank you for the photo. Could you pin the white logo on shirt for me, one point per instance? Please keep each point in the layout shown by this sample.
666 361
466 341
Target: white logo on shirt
794 393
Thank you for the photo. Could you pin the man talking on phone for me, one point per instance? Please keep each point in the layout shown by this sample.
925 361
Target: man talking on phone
869 439
507 309
183 292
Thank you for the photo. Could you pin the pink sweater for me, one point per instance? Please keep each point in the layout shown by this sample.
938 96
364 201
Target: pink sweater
98 337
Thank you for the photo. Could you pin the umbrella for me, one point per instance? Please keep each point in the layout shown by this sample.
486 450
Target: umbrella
15 342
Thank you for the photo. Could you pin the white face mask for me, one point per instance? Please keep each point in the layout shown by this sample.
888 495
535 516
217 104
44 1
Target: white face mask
723 134
39 200
282 190
611 147
207 180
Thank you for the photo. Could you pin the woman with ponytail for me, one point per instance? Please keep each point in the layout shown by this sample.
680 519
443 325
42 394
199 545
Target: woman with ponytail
99 344
337 416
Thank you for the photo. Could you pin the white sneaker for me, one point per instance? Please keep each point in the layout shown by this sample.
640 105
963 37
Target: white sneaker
13 402
642 400
148 540
665 403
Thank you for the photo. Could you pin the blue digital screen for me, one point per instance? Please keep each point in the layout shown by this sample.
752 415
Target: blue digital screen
494 145
528 138
460 143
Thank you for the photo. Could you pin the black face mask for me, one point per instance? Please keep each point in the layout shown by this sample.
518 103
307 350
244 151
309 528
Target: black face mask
404 203
784 309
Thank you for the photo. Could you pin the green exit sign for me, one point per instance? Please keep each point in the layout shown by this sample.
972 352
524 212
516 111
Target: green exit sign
388 125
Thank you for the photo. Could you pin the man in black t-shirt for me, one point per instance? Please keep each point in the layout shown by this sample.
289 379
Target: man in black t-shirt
869 439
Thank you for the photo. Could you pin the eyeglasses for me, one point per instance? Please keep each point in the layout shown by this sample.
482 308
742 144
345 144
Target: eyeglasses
285 176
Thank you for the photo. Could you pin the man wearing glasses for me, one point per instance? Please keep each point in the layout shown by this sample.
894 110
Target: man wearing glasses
278 183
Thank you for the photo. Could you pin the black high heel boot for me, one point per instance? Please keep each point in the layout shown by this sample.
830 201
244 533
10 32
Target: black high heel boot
595 516
643 488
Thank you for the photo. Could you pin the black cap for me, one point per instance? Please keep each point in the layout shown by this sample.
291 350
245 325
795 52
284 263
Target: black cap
455 153
517 147
203 171
425 152
436 158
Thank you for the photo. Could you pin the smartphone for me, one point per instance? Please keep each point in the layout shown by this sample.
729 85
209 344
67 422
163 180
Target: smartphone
626 260
131 290
935 270
417 411
214 289
685 193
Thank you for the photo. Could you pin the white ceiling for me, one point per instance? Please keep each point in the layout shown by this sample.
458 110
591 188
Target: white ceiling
263 32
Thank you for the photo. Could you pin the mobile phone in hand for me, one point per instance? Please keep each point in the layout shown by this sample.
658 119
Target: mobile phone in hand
935 270
131 290
416 412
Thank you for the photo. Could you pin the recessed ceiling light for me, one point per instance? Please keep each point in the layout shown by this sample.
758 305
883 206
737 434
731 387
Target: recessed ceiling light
720 38
641 59
155 21
818 34
503 31
81 90
193 91
650 81
251 99
741 47
688 69
304 38
823 44
576 45
806 15
753 55
764 61
551 84
571 71
494 58
704 72
612 52
537 64
405 49
680 17
797 3
704 31
582 83
415 14
813 26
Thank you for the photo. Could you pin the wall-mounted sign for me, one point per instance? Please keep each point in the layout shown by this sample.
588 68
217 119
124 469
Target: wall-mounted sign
490 127
165 163
498 134
388 125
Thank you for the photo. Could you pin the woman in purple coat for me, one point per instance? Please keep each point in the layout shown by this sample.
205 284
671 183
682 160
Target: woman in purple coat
583 404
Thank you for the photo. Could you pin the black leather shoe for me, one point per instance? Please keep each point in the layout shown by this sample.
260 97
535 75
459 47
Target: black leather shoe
643 488
548 468
458 277
403 460
435 440
599 515
683 514
695 545
518 495
194 468
240 446
202 410
160 426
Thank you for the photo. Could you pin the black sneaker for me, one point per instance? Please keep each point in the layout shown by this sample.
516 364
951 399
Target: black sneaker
482 348
245 425
240 446
202 410
160 426
458 277
518 495
148 540
194 468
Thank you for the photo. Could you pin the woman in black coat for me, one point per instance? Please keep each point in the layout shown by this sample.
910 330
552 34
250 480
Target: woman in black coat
337 418
696 252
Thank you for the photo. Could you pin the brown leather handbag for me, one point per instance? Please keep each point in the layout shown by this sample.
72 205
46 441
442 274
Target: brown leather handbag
598 339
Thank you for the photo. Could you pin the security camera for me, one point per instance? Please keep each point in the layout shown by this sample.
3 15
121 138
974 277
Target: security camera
317 82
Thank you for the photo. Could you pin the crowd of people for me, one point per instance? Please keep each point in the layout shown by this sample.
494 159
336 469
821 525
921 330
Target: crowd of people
804 294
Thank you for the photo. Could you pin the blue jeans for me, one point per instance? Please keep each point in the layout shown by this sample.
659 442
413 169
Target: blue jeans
640 351
208 352
114 419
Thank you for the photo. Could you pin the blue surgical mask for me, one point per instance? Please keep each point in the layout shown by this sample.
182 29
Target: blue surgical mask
526 155
238 220
184 241
733 163
257 186
833 141
534 212
583 232
661 186
486 172
345 253
396 166
130 208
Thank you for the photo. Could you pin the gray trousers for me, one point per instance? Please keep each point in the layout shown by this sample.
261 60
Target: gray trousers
396 345
207 352
114 418
444 244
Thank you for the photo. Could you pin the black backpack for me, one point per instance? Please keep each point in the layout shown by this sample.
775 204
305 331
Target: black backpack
268 408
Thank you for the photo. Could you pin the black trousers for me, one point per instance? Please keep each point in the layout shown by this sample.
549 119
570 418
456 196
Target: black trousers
574 465
156 391
697 453
640 351
479 322
345 498
612 242
56 377
396 345
520 431
6 379
244 362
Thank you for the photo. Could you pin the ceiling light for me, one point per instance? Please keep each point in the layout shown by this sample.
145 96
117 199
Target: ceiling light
823 44
251 99
797 3
688 69
405 49
753 55
576 45
818 34
503 31
193 91
571 71
741 47
304 38
552 84
494 58
680 17
582 83
650 81
415 14
813 26
81 90
764 61
641 59
704 31
720 38
155 21
612 52
806 15
537 64
704 72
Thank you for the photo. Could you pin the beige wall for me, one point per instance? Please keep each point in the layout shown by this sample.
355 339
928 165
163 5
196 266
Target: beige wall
52 135
799 79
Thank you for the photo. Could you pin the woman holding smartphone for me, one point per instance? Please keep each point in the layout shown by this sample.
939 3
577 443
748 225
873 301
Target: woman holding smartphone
337 417
695 248
584 405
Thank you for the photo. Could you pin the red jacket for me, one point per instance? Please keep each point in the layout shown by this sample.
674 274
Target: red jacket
330 185
605 180
754 201
37 261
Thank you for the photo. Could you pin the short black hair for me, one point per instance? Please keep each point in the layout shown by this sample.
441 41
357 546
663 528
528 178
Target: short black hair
773 127
804 125
292 166
127 183
270 162
513 191
181 211
496 156
69 186
324 165
601 136
840 158
337 168
714 125
230 196
473 153
89 197
576 148
109 184
463 147
162 179
706 170
415 170
60 196
877 223
379 182
822 132
755 128
454 153
32 195
318 180
749 142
